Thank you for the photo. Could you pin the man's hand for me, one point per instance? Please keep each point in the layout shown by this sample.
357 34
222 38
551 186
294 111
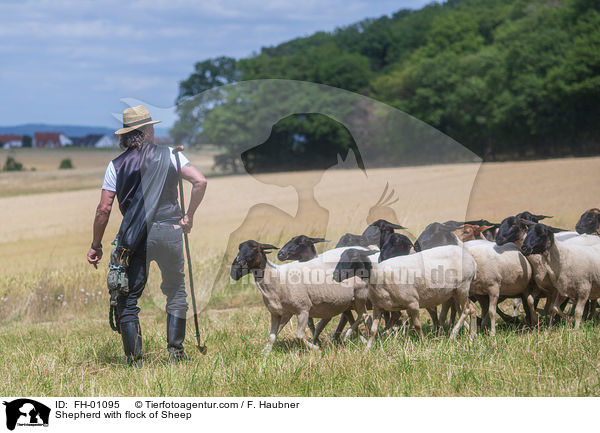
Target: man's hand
94 257
187 223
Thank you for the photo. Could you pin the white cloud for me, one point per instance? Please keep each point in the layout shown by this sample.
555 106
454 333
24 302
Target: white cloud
69 54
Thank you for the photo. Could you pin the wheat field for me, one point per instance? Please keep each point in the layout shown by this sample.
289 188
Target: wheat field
55 338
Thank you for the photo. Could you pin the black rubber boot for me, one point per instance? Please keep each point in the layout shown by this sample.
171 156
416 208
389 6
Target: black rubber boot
175 337
131 334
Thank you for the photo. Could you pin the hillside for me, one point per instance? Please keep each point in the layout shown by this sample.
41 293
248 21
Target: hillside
69 130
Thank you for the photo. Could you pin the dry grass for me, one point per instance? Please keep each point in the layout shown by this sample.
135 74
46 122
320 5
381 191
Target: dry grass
42 175
44 277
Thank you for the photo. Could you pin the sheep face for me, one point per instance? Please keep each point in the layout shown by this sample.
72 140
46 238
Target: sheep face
300 248
540 238
589 222
394 246
350 240
250 257
436 235
512 229
378 231
470 232
528 216
490 232
353 263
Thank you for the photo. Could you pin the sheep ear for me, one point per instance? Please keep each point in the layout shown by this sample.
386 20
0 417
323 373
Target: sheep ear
453 225
371 252
268 247
397 226
317 240
542 217
557 230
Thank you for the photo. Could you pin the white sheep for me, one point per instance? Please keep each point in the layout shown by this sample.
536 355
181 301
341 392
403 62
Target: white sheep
302 289
421 280
501 271
572 270
543 283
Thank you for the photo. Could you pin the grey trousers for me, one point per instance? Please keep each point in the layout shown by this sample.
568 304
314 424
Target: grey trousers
164 246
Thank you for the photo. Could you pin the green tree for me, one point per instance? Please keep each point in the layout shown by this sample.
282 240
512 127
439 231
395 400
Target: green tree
12 164
208 74
66 164
506 78
27 141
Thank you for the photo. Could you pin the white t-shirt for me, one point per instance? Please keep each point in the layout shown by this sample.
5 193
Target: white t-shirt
110 177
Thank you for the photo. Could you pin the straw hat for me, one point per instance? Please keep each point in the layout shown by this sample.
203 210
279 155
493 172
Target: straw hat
134 118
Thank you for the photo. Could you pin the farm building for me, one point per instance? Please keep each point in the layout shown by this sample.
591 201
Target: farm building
8 140
95 140
51 139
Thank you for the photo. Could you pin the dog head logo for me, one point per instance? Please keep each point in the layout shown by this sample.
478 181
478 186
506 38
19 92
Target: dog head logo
26 412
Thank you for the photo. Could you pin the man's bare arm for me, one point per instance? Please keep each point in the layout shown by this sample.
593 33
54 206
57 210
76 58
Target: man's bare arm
100 223
198 181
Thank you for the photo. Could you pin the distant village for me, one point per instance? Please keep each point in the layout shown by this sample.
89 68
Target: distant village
52 140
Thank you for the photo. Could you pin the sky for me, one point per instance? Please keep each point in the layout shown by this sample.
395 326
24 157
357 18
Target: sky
81 62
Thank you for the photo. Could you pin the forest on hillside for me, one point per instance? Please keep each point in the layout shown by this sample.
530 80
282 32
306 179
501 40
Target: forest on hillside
508 79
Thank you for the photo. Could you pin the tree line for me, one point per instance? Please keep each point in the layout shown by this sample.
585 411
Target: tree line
508 79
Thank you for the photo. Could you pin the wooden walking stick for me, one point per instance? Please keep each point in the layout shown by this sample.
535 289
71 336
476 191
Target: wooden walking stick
201 347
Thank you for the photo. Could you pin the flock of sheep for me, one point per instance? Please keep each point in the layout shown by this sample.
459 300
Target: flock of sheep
452 264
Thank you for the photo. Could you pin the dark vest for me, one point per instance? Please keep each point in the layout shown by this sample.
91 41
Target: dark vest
127 166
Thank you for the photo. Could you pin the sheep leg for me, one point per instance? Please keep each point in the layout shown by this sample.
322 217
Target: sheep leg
492 309
535 318
453 313
376 317
275 321
591 309
506 317
473 311
301 331
554 309
550 303
319 328
516 303
463 301
588 312
434 318
387 318
362 316
484 302
390 319
579 307
594 312
346 317
311 325
284 321
413 312
528 316
444 313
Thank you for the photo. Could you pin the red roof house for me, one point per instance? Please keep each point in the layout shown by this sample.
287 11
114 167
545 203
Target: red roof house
51 139
10 140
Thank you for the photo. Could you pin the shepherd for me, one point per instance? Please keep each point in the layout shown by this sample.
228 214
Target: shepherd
144 178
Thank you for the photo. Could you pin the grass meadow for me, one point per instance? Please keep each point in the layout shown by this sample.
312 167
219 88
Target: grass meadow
54 333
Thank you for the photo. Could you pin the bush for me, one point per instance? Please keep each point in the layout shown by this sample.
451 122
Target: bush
12 164
66 164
